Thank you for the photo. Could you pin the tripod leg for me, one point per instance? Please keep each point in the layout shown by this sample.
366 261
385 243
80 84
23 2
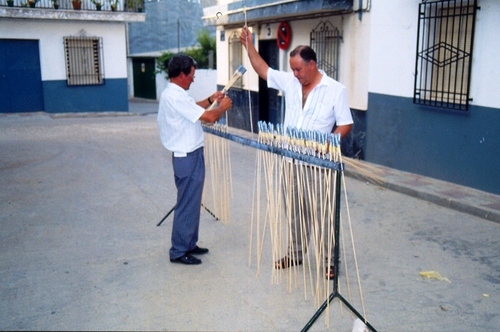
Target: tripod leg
173 208
211 213
319 312
336 253
169 212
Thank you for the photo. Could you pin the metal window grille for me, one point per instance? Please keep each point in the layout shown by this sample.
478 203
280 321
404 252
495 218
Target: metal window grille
235 57
325 40
84 60
444 53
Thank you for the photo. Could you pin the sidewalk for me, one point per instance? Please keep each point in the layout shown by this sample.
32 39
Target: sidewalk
143 106
80 198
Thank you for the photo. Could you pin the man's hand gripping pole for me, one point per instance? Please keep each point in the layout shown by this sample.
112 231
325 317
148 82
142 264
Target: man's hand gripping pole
237 74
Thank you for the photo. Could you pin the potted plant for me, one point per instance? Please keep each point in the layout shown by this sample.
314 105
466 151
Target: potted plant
113 4
97 3
32 3
77 4
133 5
10 3
55 4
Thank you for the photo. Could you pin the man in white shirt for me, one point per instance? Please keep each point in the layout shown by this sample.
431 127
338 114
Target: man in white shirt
179 123
313 102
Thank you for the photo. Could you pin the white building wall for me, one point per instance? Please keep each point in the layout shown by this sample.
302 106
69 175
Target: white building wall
355 59
51 33
485 83
354 53
392 47
393 39
203 86
377 53
223 57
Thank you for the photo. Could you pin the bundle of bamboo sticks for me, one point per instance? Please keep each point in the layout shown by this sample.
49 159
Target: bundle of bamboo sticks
288 191
218 190
218 160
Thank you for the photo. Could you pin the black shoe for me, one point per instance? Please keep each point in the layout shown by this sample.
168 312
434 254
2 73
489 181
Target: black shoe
187 259
197 251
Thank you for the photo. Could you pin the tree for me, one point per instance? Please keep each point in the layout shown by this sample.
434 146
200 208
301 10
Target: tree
200 53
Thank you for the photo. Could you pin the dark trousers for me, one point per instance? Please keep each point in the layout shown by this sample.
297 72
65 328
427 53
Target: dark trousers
310 220
189 175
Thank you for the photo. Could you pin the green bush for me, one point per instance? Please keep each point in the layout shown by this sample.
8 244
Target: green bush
199 53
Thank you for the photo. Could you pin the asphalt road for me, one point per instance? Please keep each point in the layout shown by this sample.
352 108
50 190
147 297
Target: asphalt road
80 250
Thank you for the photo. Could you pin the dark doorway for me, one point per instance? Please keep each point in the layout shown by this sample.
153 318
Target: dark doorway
144 78
20 76
269 106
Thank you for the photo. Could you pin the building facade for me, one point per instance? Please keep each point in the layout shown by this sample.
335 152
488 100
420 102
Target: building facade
421 76
65 59
170 26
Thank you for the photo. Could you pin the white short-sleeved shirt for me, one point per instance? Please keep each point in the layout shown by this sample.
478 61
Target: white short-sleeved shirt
326 104
179 121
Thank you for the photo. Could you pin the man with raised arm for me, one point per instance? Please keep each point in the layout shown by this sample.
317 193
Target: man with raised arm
313 102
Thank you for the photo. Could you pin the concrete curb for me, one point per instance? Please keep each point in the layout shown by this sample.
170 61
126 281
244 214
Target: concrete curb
464 199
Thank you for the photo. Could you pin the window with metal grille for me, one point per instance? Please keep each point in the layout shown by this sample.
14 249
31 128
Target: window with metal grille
444 53
325 40
84 64
235 57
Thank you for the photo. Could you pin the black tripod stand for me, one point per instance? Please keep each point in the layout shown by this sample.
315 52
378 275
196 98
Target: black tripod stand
336 259
166 216
173 208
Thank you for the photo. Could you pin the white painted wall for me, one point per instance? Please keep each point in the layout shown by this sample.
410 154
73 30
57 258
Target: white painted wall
393 39
222 57
51 33
355 59
392 47
377 54
354 53
485 84
205 84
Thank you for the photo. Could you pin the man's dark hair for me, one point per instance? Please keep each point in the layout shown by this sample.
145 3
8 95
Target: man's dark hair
180 63
306 53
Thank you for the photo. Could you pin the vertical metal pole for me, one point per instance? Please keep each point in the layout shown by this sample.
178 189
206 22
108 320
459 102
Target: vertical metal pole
336 251
336 247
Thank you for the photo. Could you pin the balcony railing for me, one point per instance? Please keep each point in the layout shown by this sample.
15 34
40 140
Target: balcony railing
86 5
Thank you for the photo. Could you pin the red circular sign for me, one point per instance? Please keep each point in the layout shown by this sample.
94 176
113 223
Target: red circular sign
284 35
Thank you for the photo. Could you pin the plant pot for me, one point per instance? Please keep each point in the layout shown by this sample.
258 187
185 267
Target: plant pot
32 4
56 6
98 6
10 3
113 8
77 5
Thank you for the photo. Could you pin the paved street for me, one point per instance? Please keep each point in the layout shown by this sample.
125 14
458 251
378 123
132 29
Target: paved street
80 250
